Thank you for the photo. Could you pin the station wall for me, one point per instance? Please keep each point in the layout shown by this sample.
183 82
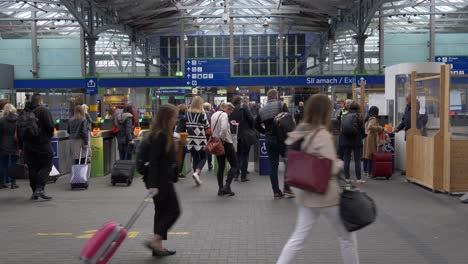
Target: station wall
58 58
403 47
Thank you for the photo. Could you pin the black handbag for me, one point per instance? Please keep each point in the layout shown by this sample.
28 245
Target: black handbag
357 209
19 170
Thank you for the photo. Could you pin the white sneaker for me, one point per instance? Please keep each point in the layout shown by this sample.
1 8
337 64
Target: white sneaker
196 178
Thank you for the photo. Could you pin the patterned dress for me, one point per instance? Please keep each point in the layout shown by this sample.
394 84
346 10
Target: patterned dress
195 125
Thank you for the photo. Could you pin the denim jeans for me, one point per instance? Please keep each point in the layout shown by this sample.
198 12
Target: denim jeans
125 152
243 151
274 150
6 161
306 218
367 166
357 161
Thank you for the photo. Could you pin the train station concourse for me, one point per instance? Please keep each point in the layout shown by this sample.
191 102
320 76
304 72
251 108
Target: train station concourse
234 131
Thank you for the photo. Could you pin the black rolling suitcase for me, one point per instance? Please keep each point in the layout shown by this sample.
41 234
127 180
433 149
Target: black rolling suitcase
123 172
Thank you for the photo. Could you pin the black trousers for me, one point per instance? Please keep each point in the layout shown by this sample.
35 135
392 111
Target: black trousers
39 164
230 155
243 151
166 210
198 159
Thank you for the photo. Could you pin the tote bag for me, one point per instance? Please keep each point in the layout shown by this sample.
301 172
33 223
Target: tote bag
307 171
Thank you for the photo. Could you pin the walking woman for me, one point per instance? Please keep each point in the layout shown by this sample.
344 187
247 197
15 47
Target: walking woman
195 123
318 140
352 142
9 149
372 129
78 134
161 176
221 129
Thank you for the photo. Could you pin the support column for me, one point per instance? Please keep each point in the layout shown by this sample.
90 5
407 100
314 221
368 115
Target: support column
134 72
322 55
149 94
331 55
231 45
331 61
34 47
381 42
361 41
432 32
182 47
281 47
91 41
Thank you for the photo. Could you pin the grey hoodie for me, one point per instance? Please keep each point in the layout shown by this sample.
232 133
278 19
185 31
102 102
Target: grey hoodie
320 145
125 122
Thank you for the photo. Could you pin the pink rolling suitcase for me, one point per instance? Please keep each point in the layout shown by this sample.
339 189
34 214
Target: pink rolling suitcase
102 246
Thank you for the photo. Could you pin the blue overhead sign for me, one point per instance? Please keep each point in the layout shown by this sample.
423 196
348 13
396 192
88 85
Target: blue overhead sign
459 64
182 82
199 72
91 86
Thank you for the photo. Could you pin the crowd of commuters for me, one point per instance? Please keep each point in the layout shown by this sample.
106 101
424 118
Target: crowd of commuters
237 124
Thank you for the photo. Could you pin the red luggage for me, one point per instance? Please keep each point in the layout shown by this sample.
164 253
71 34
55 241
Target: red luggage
102 246
382 164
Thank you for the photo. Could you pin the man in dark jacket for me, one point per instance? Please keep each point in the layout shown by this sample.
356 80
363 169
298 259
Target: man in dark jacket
125 136
243 117
38 153
265 124
406 120
352 143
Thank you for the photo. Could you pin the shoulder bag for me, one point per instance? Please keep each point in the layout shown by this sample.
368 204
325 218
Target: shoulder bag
357 209
307 171
214 145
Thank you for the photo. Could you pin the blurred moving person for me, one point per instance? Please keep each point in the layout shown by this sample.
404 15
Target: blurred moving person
9 150
78 133
312 205
125 135
161 176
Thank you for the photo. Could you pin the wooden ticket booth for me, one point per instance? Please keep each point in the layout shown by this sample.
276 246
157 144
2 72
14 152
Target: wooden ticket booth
434 157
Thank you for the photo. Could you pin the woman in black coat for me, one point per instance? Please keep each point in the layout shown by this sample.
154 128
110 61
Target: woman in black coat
8 145
353 142
161 175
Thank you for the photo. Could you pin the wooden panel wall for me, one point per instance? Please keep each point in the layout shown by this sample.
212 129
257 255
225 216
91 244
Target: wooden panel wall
423 161
459 166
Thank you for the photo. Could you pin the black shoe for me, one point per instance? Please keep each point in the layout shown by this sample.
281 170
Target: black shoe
220 192
227 192
14 186
278 196
236 178
3 186
181 176
163 253
210 167
33 197
245 179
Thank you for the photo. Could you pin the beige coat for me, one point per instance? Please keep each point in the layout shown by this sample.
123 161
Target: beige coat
321 145
370 145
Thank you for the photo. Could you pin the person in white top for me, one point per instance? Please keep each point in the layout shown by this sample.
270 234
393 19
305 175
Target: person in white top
221 129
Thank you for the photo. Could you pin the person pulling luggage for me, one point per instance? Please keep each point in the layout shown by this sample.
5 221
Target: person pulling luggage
161 175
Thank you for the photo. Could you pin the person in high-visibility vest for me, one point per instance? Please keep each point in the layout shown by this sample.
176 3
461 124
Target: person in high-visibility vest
343 112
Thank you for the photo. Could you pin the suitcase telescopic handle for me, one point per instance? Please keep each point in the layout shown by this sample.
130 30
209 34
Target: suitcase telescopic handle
138 211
